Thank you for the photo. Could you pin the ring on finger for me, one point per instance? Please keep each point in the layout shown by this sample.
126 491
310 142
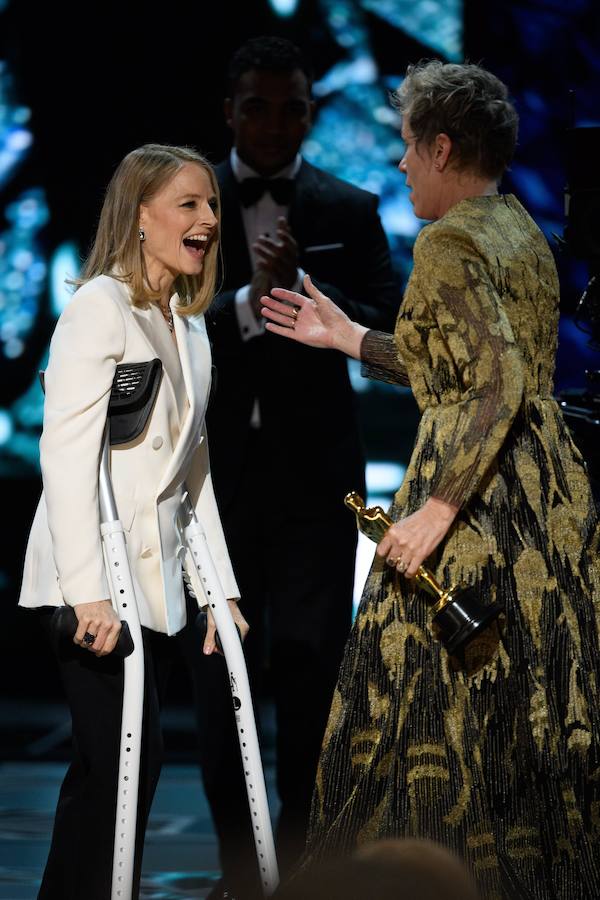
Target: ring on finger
401 565
295 312
88 639
392 561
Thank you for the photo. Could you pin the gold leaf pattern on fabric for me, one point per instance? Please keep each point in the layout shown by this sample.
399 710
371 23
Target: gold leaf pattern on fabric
407 701
379 703
427 750
363 746
532 578
372 829
539 716
419 772
385 765
394 642
564 846
455 722
335 714
568 619
378 614
577 715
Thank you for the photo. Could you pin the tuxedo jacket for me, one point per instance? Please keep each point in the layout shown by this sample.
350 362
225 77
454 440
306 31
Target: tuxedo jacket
307 406
64 560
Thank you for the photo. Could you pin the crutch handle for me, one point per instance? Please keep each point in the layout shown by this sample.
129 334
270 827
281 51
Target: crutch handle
202 627
64 625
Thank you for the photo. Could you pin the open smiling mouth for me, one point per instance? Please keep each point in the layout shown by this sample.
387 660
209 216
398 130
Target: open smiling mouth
196 244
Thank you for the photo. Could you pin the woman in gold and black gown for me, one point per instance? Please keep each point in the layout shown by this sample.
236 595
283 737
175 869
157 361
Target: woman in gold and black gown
503 766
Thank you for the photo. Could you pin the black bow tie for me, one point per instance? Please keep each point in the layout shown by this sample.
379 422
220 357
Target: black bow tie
280 189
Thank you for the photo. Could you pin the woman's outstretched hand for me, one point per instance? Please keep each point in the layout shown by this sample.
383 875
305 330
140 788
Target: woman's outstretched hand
314 320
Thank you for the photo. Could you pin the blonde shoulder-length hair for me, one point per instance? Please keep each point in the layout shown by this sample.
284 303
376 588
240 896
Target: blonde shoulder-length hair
117 250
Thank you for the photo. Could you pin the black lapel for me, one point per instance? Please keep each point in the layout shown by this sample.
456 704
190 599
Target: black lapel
309 201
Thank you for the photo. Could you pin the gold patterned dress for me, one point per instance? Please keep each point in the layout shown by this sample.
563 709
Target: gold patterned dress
502 766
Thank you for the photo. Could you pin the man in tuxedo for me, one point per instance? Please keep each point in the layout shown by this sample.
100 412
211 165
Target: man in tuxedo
283 432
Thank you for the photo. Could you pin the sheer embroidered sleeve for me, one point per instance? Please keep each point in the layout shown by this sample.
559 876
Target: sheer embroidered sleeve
381 360
486 365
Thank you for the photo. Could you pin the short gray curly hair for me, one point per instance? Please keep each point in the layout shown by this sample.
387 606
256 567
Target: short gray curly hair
468 104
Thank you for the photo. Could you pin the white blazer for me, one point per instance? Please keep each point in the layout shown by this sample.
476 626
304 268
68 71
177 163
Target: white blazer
64 560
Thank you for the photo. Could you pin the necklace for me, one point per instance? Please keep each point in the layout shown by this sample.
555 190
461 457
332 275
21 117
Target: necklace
167 316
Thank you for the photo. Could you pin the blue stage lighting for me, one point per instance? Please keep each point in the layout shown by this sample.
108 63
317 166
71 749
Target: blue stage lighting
64 265
284 8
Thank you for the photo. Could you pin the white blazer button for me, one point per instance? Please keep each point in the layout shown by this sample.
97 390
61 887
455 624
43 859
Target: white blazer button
157 442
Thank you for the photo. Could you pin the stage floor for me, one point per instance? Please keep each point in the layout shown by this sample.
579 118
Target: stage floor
180 857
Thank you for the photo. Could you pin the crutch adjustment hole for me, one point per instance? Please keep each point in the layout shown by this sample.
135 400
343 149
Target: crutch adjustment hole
116 564
124 606
129 735
126 777
121 591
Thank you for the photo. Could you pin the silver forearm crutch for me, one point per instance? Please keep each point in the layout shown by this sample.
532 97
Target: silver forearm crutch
199 552
133 685
132 397
134 391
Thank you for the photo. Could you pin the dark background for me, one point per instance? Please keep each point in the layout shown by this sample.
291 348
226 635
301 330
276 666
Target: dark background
102 79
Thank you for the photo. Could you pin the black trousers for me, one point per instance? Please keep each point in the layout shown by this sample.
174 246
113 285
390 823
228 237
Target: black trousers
79 865
295 570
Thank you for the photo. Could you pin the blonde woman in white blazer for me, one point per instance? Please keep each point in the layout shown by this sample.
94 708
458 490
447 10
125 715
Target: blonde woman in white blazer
146 284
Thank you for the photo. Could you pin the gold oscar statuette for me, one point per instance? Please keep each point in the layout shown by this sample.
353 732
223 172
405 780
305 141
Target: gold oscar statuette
466 627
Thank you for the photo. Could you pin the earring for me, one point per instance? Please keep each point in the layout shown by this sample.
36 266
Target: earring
142 234
436 165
